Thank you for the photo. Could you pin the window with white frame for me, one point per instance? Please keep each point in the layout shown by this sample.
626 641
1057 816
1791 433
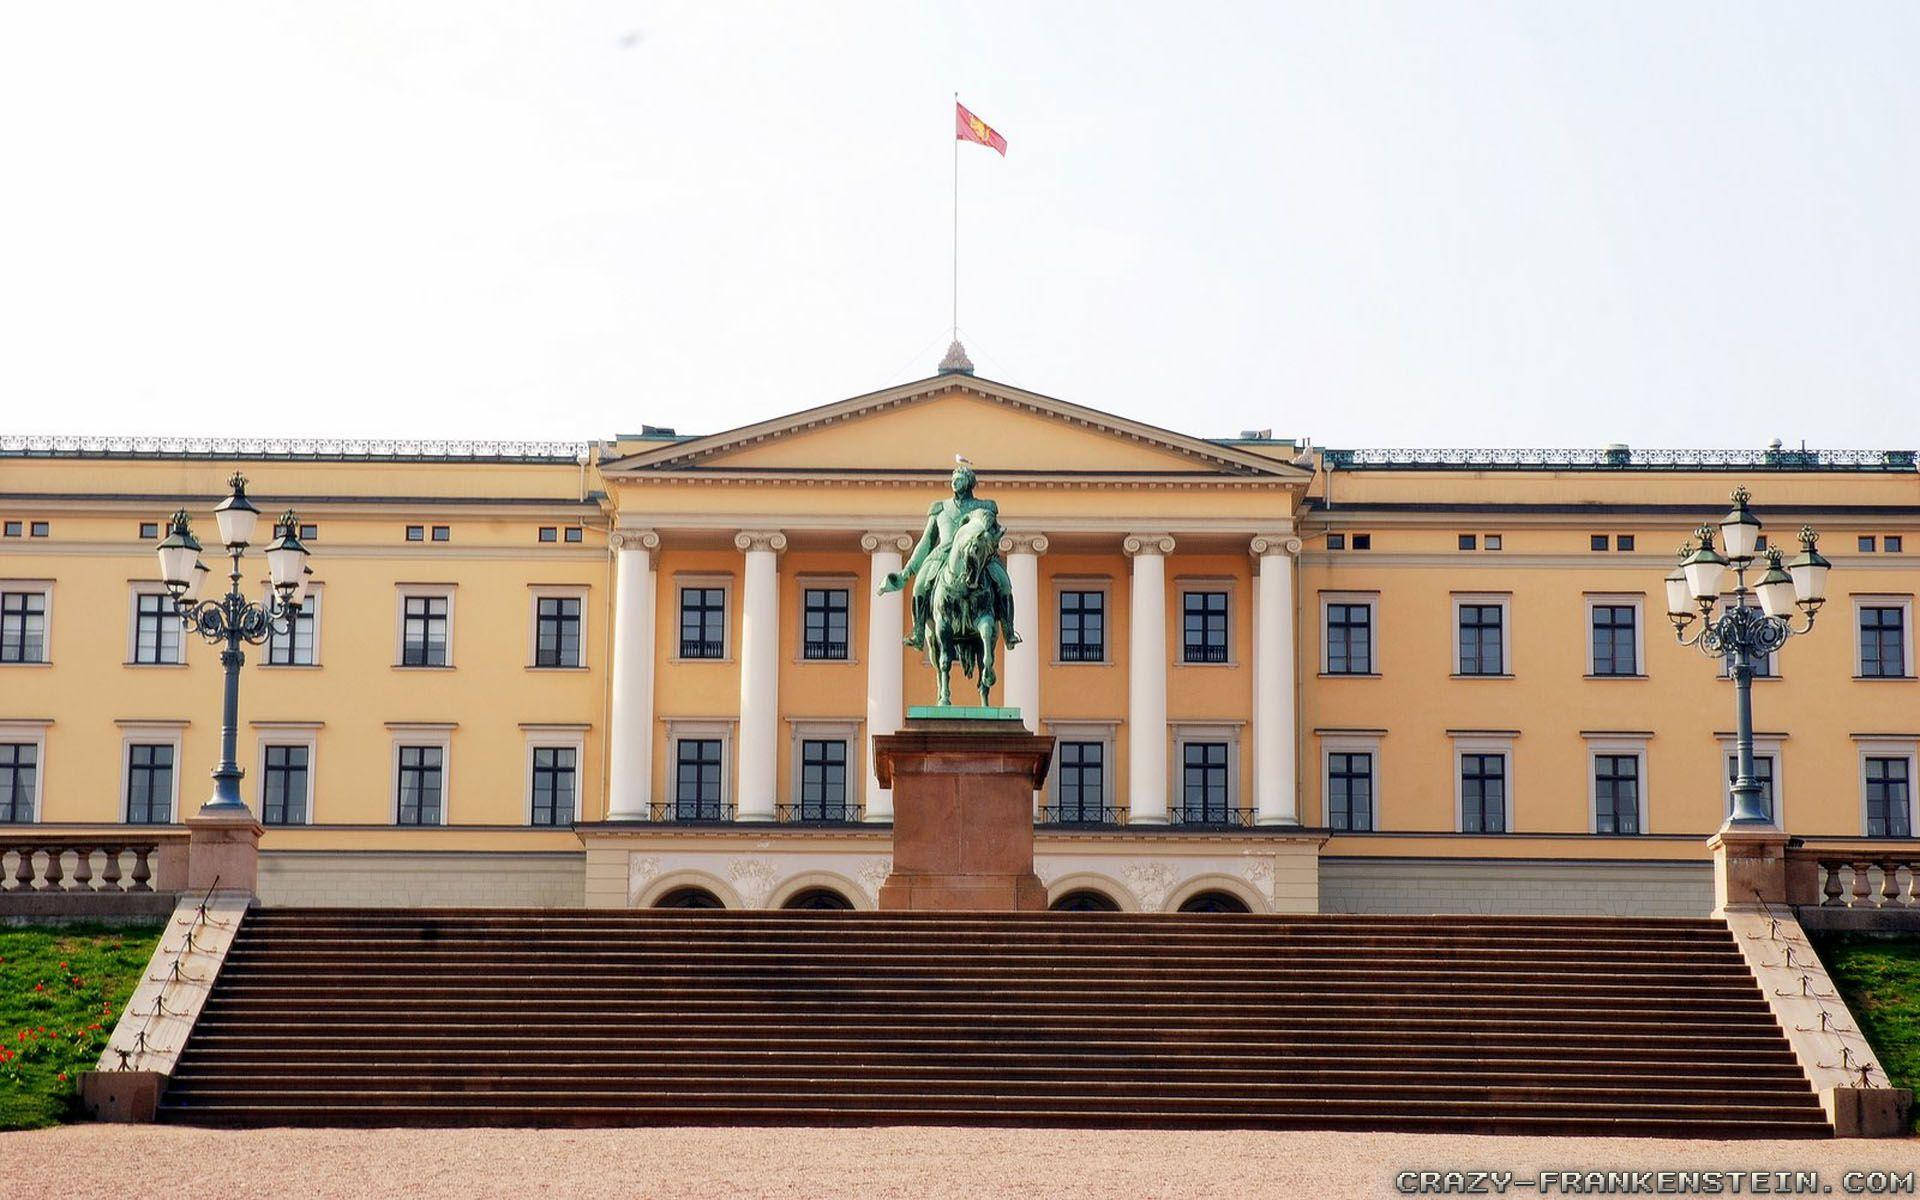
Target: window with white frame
150 776
23 748
298 645
1617 784
1350 791
699 771
1613 625
286 775
1204 623
555 785
823 772
558 628
23 622
1083 623
826 620
1207 774
1483 781
703 617
1480 638
1080 787
1885 649
1767 750
1349 630
426 627
1888 768
422 768
156 630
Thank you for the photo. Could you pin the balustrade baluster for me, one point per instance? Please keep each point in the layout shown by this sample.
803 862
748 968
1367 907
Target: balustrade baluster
23 870
82 870
56 870
1889 883
1831 889
142 869
1862 884
111 875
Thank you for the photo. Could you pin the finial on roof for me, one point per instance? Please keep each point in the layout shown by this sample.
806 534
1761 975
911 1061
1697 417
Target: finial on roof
956 362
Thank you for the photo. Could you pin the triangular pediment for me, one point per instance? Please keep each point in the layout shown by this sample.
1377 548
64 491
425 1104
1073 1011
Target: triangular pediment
919 427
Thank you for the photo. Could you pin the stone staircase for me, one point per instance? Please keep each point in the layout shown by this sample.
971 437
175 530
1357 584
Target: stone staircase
1513 1025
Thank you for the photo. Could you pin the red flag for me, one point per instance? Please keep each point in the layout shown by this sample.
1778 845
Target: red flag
969 128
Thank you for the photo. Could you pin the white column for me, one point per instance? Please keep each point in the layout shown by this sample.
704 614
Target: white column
630 719
1021 669
759 748
1275 799
1147 680
886 657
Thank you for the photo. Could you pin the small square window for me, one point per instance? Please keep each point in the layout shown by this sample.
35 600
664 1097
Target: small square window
1760 543
575 535
39 529
1893 543
149 530
1335 541
442 533
549 533
416 533
1623 541
13 528
1597 541
309 532
1469 541
1363 541
1866 543
1490 542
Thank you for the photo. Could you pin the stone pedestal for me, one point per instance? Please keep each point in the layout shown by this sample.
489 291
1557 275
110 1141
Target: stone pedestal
1749 868
224 852
962 812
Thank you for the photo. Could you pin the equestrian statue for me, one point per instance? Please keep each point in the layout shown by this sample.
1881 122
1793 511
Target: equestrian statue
962 598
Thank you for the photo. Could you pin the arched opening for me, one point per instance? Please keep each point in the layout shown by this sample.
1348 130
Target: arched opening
820 899
689 897
1214 902
1085 900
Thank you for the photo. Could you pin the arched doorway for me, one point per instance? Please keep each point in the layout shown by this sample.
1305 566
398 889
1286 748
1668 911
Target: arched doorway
820 899
1214 902
689 897
1085 900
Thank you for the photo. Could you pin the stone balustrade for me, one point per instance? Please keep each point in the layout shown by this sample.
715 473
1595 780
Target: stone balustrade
58 872
1854 884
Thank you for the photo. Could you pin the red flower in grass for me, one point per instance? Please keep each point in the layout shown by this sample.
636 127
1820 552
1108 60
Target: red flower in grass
63 966
39 987
63 1077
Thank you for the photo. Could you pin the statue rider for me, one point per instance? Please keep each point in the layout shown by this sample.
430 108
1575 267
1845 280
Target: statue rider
943 522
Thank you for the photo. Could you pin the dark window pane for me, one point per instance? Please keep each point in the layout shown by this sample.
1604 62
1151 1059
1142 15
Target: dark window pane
1481 650
1889 798
424 631
1883 638
697 786
703 616
1762 772
1083 626
556 641
422 778
283 791
19 780
156 629
1203 796
1350 792
1082 782
1349 639
554 784
1483 793
824 624
149 783
1614 648
23 627
294 645
1204 619
1616 791
823 781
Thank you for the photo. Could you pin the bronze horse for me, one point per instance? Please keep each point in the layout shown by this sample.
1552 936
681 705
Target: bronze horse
960 620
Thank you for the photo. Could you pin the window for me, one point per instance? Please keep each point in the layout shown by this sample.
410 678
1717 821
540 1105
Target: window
40 529
14 528
1083 626
1889 797
1349 637
1482 630
1491 542
1623 541
1483 793
149 783
1363 541
697 794
309 532
156 629
1616 793
149 531
424 626
1336 541
1883 629
555 774
422 785
1469 541
23 627
1616 638
442 533
19 778
1204 616
1894 543
416 533
1204 795
1349 791
1866 543
1597 541
1082 783
549 533
823 780
824 613
284 783
556 635
574 535
1762 772
703 622
299 645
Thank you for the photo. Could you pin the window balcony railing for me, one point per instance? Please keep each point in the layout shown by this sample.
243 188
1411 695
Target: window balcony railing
1200 653
1078 815
692 812
694 648
1083 652
825 651
1209 817
819 814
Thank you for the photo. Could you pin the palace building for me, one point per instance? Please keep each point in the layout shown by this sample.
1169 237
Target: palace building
647 670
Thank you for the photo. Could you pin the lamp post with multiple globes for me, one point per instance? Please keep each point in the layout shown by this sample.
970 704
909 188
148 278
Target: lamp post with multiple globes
232 618
1743 635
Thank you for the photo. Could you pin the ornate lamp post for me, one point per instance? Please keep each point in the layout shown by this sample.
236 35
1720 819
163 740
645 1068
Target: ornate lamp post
232 618
1742 635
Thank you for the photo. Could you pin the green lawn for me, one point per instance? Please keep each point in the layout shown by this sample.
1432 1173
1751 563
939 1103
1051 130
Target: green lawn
1880 980
61 990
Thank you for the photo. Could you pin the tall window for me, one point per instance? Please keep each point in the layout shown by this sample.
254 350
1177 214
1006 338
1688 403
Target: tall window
1083 626
1483 793
284 789
556 631
19 775
23 627
1615 640
823 780
422 784
824 613
149 783
703 622
1350 791
424 631
696 791
1481 651
1203 792
156 630
1082 782
1762 772
294 648
554 775
1349 639
1616 793
1205 619
1883 641
1889 798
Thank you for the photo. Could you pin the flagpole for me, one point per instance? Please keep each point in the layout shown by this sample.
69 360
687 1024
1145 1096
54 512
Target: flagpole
956 225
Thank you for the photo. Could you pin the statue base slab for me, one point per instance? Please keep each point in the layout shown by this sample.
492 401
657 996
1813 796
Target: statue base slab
963 812
961 712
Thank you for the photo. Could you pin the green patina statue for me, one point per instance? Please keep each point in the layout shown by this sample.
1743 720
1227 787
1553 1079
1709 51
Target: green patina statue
962 599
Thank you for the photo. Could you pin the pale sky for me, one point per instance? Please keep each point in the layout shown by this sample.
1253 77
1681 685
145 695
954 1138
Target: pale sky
1442 224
